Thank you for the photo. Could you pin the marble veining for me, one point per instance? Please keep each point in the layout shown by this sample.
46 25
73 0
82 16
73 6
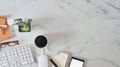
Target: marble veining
88 29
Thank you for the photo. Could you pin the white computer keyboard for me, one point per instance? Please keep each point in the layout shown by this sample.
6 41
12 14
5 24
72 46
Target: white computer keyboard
16 56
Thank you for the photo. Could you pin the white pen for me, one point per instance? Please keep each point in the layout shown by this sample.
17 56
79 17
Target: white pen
3 26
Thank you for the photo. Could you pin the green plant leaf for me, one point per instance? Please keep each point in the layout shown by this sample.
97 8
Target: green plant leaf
25 28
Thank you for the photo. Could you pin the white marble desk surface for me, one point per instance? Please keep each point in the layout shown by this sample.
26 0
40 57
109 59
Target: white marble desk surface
88 29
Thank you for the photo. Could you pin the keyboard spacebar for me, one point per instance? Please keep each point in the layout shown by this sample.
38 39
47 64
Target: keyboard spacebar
30 65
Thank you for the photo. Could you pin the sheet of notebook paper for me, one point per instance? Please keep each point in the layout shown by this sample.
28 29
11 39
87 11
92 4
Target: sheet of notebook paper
76 63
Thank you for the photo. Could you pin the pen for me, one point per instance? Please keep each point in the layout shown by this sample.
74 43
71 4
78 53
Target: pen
3 28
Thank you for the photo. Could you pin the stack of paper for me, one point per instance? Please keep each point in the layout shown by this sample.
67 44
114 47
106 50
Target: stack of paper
61 59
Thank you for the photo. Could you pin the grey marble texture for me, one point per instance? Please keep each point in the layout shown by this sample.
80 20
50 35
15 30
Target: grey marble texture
88 29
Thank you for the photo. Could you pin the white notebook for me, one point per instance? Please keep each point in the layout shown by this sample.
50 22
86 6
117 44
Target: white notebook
61 59
76 62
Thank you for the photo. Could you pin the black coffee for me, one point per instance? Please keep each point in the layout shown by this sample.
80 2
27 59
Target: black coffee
41 41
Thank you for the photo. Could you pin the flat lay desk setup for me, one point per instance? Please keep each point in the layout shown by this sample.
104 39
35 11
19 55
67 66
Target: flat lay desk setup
14 53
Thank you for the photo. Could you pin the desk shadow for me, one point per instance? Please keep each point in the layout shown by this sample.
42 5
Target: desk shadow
53 37
40 23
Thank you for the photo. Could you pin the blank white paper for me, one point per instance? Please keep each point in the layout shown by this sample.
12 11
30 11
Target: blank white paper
76 63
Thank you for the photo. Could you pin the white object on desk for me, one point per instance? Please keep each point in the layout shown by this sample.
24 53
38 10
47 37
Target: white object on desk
16 56
43 61
76 62
61 59
10 21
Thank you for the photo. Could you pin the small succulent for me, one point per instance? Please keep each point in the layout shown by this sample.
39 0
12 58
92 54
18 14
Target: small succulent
25 28
24 25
